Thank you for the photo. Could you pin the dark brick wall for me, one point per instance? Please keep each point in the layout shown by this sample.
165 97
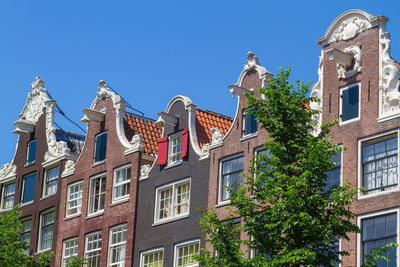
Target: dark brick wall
168 234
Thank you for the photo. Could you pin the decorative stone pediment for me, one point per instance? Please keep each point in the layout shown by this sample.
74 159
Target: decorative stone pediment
8 171
251 65
136 144
103 92
350 28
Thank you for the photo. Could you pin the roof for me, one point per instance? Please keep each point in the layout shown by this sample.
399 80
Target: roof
74 141
206 120
135 124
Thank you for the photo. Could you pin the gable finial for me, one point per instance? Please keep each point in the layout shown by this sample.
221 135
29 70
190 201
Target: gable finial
38 83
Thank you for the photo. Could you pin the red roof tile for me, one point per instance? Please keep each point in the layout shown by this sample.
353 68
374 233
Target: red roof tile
206 120
135 124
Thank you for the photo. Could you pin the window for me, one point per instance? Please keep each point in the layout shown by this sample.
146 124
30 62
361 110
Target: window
50 182
334 176
231 171
173 200
74 201
379 164
349 108
185 252
122 179
93 249
26 232
175 148
250 125
101 147
378 231
70 248
7 201
46 229
152 258
31 153
117 249
28 188
97 194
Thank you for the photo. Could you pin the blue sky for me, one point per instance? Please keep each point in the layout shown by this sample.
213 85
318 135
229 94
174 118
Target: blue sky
150 51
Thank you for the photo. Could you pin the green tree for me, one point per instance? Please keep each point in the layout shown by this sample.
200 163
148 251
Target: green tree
12 249
290 215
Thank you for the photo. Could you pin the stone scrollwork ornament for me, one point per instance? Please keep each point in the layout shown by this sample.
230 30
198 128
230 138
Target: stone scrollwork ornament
144 171
216 137
349 29
389 80
8 170
355 51
316 92
69 168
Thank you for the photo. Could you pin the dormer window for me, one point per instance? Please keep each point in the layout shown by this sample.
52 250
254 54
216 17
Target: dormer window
250 125
175 148
31 152
172 149
101 147
350 103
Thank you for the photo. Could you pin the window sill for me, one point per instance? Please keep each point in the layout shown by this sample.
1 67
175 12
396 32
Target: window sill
378 192
349 121
223 203
72 216
119 201
98 163
93 215
170 220
28 164
43 251
5 210
26 204
43 198
249 136
173 165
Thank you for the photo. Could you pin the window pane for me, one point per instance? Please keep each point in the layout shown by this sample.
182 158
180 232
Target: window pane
101 146
231 176
350 103
31 152
29 188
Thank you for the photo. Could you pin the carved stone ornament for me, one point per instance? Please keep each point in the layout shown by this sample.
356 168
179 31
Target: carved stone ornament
389 80
136 144
144 171
205 152
349 29
354 51
103 92
35 102
56 150
69 168
253 64
216 137
8 171
316 92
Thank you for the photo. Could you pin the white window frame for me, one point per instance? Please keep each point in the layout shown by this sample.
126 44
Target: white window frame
341 104
220 186
174 185
245 111
183 244
46 183
376 214
171 145
382 136
149 252
79 207
67 257
99 176
96 233
123 227
127 168
23 188
95 147
45 212
3 191
26 219
27 153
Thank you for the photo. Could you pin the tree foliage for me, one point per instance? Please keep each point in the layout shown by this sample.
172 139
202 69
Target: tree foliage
286 209
12 249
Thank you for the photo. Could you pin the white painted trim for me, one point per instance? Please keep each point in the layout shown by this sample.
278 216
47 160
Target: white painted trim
93 214
63 248
125 197
185 243
221 161
375 214
341 104
66 204
151 251
45 212
360 166
121 226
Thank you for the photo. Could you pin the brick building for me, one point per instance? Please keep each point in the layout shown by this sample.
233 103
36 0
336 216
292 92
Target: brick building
169 196
33 178
98 197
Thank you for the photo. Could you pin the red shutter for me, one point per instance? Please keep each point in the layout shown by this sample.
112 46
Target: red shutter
185 138
162 151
